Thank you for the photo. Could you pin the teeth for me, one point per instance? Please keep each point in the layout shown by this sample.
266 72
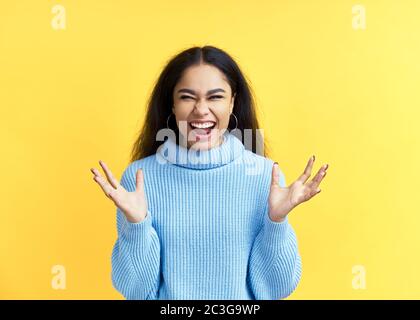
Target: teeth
202 125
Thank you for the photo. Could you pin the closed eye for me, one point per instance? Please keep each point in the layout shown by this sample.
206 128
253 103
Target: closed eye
186 97
189 97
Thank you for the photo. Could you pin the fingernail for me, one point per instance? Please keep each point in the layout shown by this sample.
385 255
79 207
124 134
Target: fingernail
313 157
326 167
276 163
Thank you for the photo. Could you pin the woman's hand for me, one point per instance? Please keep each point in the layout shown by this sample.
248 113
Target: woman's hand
132 204
282 200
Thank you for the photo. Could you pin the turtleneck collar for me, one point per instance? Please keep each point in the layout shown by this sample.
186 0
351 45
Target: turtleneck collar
230 149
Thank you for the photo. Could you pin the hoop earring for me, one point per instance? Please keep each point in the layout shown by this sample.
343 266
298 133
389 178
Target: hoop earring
236 121
167 120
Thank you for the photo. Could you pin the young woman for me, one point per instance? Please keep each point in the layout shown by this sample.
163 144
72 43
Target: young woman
202 215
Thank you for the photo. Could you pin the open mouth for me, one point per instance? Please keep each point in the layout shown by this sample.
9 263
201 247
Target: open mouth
202 129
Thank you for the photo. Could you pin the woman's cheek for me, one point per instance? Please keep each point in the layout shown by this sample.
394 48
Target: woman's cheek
225 121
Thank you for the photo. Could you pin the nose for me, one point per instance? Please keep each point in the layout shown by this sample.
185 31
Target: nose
201 108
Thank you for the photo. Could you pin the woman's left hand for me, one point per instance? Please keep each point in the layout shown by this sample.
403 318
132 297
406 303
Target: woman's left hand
282 200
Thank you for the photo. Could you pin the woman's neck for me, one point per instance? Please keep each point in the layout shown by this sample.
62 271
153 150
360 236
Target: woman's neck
230 149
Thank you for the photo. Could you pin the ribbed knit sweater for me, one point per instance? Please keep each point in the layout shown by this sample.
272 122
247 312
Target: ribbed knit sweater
207 233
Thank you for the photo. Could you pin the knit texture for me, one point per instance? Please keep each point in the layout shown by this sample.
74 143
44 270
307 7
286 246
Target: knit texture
207 233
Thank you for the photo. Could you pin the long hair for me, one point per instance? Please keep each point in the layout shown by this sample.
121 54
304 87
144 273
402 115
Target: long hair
159 105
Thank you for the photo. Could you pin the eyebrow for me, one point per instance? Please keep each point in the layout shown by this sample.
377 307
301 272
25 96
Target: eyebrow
208 92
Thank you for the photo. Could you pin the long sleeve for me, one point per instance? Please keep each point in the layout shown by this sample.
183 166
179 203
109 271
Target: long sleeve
136 253
274 268
275 263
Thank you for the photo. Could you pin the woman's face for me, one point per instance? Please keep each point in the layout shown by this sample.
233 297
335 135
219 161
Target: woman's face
202 98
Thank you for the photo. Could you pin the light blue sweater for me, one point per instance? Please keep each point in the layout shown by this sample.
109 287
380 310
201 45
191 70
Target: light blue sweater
207 233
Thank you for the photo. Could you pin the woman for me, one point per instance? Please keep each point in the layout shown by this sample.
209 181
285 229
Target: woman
201 215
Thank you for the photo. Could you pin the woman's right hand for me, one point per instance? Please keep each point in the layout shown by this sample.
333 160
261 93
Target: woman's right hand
132 204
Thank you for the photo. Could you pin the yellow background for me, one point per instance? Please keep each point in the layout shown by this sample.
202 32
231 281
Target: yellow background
71 97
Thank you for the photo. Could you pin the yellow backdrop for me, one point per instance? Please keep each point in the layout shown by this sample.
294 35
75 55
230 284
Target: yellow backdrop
338 79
